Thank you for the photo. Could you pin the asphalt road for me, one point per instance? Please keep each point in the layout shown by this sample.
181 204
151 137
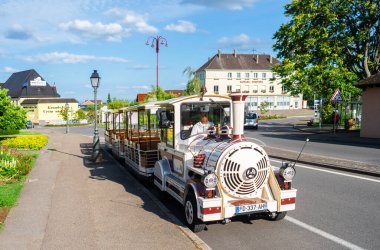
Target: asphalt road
281 134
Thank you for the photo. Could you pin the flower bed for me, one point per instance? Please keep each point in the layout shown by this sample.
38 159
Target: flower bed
32 142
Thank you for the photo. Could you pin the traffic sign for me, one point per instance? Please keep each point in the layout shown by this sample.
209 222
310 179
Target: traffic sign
336 97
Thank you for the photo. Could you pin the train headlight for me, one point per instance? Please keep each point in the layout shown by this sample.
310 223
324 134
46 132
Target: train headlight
287 172
210 180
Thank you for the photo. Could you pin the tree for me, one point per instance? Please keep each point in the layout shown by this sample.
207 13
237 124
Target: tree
117 103
158 94
64 113
264 107
193 85
12 117
328 44
79 115
109 98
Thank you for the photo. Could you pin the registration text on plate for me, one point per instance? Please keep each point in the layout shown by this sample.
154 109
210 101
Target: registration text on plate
251 208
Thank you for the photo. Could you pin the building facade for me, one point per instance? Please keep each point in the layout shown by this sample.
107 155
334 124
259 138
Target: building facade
247 73
41 100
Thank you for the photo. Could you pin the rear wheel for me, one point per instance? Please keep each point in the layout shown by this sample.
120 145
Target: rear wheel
277 216
191 212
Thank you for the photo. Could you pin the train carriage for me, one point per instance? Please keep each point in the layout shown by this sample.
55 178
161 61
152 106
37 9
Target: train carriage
215 173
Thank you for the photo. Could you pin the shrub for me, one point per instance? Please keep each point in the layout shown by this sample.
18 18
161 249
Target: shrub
32 142
14 165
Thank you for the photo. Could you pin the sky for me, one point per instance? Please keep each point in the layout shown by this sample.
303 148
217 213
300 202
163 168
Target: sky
64 41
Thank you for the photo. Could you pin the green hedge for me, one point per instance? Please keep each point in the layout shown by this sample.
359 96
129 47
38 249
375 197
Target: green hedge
31 142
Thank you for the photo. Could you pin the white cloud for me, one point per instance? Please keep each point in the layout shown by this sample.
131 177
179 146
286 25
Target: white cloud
241 41
67 58
140 87
112 32
10 70
182 26
139 67
133 21
222 4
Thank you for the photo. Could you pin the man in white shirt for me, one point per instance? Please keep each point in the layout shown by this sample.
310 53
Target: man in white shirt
202 126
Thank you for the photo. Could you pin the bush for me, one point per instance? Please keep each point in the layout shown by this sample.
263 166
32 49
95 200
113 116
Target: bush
31 142
9 132
14 165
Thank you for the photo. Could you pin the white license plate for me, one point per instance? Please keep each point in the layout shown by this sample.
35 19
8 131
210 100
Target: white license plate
251 208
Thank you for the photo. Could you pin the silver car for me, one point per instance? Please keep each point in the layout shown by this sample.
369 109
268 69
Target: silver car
251 121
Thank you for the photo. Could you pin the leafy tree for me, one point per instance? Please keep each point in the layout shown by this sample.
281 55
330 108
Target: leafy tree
158 94
193 85
328 44
12 117
117 103
64 113
80 115
264 107
109 98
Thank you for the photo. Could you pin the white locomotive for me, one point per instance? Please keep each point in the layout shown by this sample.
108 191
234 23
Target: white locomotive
215 174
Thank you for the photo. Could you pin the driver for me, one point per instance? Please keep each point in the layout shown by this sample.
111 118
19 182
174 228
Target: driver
202 126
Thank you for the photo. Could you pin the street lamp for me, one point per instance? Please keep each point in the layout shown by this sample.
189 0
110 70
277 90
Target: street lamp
95 81
67 117
155 42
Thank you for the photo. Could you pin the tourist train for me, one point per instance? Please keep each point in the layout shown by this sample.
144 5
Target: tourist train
216 174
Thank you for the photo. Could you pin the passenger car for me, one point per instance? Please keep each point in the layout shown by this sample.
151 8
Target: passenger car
251 120
29 124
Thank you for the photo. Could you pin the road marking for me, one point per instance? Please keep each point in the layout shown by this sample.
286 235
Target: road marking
324 234
333 172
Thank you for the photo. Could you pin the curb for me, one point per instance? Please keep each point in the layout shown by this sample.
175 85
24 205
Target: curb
198 242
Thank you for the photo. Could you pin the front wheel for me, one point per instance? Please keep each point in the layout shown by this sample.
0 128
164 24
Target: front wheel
277 216
191 211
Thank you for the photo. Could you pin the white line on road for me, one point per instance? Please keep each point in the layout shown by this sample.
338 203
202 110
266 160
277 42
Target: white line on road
255 139
333 172
324 234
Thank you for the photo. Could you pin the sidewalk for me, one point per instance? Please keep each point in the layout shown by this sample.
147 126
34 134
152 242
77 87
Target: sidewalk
69 202
341 137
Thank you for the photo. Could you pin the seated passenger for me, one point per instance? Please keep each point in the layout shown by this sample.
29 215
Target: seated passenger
202 126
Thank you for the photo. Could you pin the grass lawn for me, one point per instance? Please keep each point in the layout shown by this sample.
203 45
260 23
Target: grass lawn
9 193
22 132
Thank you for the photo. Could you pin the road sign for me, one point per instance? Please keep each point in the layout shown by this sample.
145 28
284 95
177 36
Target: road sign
336 97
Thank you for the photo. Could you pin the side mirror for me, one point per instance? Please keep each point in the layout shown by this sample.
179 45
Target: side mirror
162 117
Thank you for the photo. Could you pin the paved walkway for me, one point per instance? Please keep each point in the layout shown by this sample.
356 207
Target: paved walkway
70 203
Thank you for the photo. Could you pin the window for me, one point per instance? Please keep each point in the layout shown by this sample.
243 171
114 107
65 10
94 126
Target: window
229 88
283 90
238 75
216 89
237 88
296 104
264 76
247 76
255 76
246 89
167 134
283 102
271 88
229 75
263 88
191 113
255 88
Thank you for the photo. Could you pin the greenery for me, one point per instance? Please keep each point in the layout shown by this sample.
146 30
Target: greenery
32 142
327 45
79 115
10 192
12 117
269 117
264 107
117 103
70 125
64 113
158 94
193 85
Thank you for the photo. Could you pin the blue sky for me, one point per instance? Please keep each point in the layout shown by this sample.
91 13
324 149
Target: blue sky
66 40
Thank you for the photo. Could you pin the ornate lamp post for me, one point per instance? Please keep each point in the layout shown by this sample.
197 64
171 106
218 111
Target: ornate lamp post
67 117
95 81
155 42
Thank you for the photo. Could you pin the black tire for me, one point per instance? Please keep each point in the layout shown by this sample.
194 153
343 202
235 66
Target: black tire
256 127
191 211
278 216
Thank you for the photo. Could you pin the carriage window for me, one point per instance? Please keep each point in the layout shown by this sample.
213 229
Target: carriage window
167 134
217 113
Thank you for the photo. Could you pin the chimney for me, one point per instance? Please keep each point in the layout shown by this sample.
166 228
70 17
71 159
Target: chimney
270 59
219 53
235 53
238 101
257 58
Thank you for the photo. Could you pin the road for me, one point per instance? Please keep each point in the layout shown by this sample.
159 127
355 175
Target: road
281 134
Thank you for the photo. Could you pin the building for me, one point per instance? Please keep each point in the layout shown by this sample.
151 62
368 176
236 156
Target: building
141 96
40 99
90 103
370 106
247 73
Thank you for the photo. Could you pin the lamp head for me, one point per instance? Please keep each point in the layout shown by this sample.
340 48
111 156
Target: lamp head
95 79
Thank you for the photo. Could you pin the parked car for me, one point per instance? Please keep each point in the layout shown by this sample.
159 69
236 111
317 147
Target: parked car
251 121
29 124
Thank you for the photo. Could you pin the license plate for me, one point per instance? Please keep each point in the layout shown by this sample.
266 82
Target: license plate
251 208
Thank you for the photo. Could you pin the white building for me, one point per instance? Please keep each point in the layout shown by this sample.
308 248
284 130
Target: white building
247 73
